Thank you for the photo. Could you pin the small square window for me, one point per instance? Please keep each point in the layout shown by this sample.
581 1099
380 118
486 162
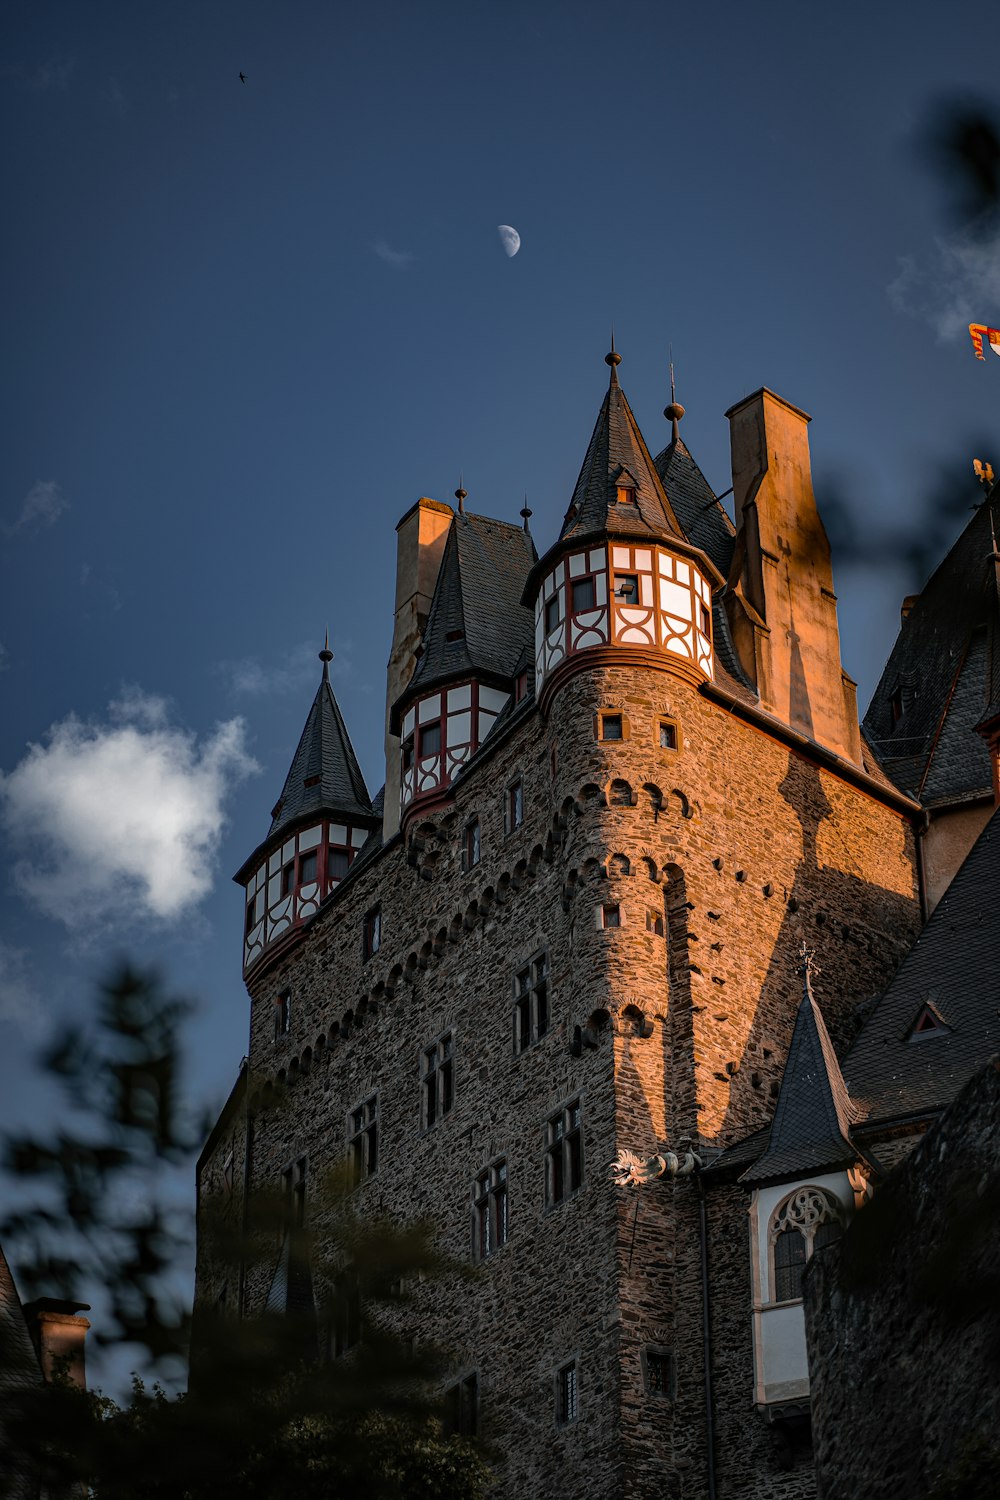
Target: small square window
472 847
610 914
627 588
283 1015
552 613
582 594
362 1139
668 734
611 727
658 1372
430 739
566 1394
372 933
514 808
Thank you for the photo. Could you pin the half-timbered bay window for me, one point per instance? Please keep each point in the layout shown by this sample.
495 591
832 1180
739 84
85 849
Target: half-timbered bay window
490 1210
437 1080
362 1139
564 1153
287 889
440 732
531 1002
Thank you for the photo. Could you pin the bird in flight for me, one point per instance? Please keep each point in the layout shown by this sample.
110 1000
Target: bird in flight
243 78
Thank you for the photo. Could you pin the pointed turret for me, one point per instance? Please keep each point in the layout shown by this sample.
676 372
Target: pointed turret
691 497
810 1132
322 818
619 491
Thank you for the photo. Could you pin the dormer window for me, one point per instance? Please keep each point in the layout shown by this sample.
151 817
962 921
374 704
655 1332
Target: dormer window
626 494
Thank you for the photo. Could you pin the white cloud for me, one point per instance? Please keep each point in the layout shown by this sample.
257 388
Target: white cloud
20 1002
295 670
42 506
960 284
398 259
121 820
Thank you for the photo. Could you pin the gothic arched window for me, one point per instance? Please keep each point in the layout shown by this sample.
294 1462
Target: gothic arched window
803 1223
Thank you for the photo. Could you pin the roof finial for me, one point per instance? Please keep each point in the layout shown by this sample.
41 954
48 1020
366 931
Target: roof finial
525 512
460 495
808 966
675 410
613 359
326 656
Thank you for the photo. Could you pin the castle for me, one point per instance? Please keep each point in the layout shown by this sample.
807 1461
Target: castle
626 790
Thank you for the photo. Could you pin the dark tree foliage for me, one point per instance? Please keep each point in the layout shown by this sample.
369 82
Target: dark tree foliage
265 1416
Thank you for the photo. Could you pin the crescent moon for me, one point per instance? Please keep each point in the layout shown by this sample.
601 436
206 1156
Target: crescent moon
509 239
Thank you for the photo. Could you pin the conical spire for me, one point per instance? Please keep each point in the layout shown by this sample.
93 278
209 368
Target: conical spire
812 1119
618 462
324 775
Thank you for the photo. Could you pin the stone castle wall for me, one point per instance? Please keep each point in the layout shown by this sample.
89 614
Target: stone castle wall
738 848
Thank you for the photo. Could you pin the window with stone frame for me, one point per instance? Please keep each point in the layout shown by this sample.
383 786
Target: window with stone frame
437 1080
461 1405
567 1394
531 1001
658 1372
513 806
472 844
667 735
371 935
489 1209
805 1222
282 1015
609 914
564 1153
654 921
610 725
362 1139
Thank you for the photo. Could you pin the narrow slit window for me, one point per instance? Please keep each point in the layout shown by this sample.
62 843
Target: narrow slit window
362 1139
531 1002
566 1394
490 1210
564 1154
438 1080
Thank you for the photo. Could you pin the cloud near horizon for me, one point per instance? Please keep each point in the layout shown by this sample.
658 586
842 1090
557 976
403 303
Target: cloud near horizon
398 259
120 820
42 506
959 285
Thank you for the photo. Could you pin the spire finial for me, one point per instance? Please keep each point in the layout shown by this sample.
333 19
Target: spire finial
675 410
460 495
613 359
808 967
326 656
525 512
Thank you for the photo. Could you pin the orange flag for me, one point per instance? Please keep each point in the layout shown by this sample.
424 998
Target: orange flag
979 331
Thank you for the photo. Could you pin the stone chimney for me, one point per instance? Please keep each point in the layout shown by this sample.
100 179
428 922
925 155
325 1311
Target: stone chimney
420 539
780 602
59 1335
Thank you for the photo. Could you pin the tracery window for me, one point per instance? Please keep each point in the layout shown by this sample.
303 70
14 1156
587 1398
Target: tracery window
806 1221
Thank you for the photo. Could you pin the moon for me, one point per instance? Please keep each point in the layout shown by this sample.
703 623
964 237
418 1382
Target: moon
509 239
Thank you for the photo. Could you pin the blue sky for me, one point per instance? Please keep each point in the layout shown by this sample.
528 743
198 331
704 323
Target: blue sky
247 325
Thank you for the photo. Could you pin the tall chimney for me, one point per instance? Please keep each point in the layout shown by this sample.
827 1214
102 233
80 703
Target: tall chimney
59 1335
780 602
420 539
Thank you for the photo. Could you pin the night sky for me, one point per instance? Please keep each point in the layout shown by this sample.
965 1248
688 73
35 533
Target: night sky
246 325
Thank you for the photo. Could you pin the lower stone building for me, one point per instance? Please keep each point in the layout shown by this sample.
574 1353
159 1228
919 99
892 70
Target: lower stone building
626 790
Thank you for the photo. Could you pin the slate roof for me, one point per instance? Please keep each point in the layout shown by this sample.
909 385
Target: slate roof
617 445
477 625
955 966
692 499
813 1116
946 663
324 752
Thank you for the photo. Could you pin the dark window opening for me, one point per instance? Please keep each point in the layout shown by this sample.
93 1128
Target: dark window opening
520 686
338 862
582 594
312 781
706 620
668 735
531 1002
564 1154
515 806
283 1015
461 1407
438 1080
346 1319
454 635
294 1185
362 1139
407 753
566 1394
789 1265
308 867
490 1208
430 739
552 613
658 1365
251 918
611 727
611 915
472 845
654 922
372 933
288 878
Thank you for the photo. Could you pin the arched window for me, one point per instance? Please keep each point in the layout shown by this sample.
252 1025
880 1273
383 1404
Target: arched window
806 1221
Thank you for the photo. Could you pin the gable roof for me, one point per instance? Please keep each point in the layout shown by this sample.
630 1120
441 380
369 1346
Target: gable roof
945 664
955 966
477 625
617 445
813 1116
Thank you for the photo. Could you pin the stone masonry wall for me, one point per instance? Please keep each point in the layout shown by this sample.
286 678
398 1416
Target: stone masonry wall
721 856
903 1321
